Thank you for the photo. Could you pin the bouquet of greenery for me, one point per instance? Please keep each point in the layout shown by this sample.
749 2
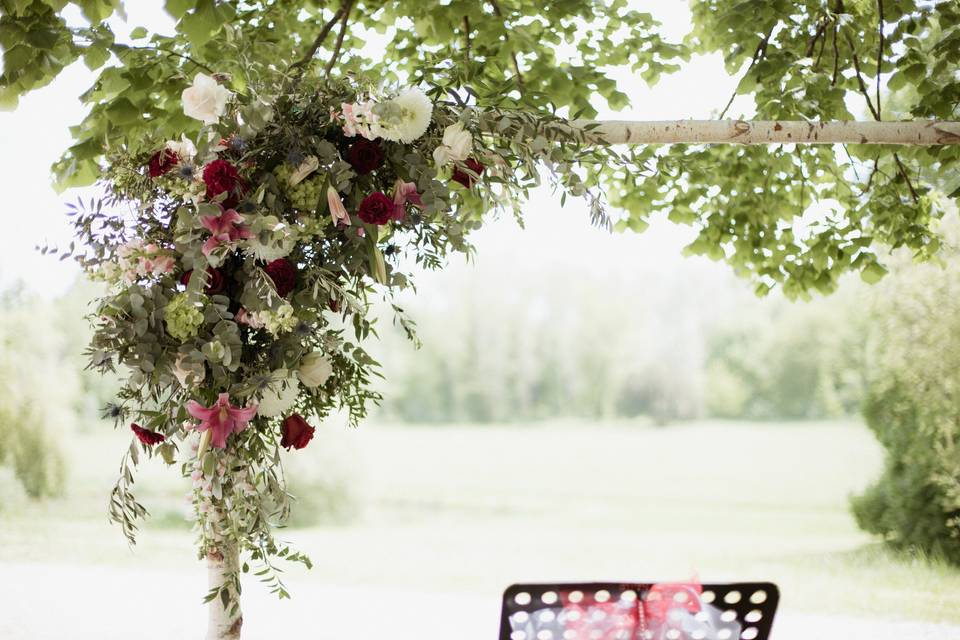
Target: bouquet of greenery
241 266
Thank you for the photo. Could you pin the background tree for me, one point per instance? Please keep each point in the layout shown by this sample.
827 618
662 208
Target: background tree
791 216
911 406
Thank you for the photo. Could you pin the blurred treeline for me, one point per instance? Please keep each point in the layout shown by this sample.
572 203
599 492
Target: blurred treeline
44 390
671 348
522 340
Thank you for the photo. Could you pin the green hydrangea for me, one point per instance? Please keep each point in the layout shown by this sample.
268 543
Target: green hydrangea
305 195
280 321
183 317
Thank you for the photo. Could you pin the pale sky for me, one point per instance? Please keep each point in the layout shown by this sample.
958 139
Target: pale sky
33 136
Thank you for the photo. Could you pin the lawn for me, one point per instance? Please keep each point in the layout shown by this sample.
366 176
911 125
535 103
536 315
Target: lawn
466 510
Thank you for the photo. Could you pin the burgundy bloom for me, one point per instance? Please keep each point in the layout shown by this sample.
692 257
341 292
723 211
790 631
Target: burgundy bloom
283 274
221 177
297 433
161 162
376 208
214 281
146 436
365 156
465 178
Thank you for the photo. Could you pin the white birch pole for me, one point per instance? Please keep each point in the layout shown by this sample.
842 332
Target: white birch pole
919 132
222 623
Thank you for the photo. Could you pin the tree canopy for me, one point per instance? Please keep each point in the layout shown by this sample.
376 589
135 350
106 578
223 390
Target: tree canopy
753 206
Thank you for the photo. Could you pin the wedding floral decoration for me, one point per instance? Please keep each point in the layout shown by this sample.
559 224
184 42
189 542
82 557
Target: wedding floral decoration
242 258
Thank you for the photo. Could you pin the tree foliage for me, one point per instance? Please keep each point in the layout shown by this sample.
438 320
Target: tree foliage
796 217
911 406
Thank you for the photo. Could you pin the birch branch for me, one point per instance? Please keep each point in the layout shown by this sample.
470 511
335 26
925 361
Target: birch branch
922 132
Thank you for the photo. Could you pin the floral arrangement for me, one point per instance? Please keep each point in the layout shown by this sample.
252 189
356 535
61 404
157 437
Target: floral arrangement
241 262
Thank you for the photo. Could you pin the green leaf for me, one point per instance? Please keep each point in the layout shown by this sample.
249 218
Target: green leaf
97 10
121 111
95 56
200 25
138 34
873 273
177 8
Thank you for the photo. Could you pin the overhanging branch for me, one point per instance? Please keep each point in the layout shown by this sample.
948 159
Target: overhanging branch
767 132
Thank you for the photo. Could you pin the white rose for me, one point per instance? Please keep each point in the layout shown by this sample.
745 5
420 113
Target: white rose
184 148
456 146
279 397
205 100
314 369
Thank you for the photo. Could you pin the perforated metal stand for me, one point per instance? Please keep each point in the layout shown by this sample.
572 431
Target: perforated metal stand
536 611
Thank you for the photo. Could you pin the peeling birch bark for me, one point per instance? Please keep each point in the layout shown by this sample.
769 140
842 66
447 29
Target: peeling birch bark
222 564
922 132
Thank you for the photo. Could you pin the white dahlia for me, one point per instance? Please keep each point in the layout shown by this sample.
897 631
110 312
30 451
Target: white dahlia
406 117
278 398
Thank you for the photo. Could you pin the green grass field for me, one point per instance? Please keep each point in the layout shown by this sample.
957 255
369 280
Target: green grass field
473 508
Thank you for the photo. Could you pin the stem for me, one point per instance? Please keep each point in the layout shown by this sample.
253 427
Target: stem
879 56
860 82
760 51
223 565
308 56
343 30
812 45
856 65
119 48
836 55
466 36
906 177
513 55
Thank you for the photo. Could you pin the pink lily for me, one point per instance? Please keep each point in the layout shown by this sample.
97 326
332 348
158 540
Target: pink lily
222 418
226 229
337 211
404 192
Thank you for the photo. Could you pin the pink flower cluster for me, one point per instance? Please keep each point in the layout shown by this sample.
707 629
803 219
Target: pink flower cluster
137 260
357 119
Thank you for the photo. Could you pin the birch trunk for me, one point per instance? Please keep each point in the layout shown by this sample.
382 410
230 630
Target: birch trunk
920 132
222 565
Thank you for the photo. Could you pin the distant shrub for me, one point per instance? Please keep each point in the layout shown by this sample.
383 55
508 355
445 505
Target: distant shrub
38 392
25 446
788 360
913 407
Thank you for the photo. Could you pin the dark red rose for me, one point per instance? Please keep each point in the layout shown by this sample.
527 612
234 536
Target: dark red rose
296 432
465 178
214 281
161 162
283 274
221 177
365 156
146 436
376 208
